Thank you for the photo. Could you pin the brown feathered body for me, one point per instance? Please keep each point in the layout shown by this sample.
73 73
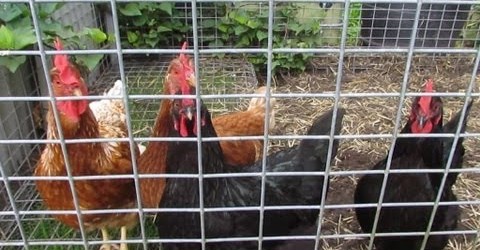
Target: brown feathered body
153 159
244 123
87 159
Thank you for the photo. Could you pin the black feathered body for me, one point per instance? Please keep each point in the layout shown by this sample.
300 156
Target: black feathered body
241 192
412 153
403 187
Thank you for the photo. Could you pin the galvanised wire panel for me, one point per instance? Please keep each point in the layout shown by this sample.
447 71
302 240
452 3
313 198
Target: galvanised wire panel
377 82
19 119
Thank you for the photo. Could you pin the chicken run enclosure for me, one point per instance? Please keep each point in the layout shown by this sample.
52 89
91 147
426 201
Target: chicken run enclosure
371 58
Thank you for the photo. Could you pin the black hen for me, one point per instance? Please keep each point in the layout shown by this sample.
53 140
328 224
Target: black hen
412 153
310 155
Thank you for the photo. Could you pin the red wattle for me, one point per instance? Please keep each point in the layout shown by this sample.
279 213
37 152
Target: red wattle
425 130
183 127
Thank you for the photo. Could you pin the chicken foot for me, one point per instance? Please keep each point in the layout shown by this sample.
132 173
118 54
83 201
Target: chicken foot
123 236
107 246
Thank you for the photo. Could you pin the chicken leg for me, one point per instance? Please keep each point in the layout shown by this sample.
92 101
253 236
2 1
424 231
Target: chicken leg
107 246
123 236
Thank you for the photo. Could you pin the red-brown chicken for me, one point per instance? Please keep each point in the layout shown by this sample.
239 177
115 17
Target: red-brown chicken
237 153
86 159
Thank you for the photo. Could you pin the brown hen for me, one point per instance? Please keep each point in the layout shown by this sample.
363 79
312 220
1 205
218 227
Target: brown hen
236 152
86 159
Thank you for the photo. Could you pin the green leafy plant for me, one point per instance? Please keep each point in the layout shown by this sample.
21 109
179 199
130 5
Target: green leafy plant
471 31
163 25
147 24
354 24
17 32
249 28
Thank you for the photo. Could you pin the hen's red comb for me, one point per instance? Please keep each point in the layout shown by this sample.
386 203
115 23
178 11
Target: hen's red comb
65 71
424 101
59 61
182 56
428 86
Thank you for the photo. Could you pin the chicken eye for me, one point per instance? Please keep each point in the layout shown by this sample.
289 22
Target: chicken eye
176 104
436 108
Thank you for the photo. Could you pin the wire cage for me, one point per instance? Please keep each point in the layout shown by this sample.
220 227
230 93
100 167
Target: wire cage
371 58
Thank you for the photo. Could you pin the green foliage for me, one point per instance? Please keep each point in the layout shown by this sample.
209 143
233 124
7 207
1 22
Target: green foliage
17 32
148 25
471 31
160 25
354 24
247 28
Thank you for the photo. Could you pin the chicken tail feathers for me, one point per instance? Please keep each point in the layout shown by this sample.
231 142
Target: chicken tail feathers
451 127
116 90
110 111
313 153
259 103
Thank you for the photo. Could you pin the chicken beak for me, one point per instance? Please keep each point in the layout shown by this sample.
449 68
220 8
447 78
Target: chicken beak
421 121
191 79
77 92
189 112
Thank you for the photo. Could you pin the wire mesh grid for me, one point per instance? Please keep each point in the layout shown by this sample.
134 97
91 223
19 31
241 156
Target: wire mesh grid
167 27
390 24
362 83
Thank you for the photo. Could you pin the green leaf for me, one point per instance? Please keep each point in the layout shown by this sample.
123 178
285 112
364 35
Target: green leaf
12 62
240 30
56 29
132 37
111 38
152 41
223 27
20 23
242 19
46 9
166 7
24 37
6 38
275 64
139 20
49 27
261 35
130 9
161 29
9 11
89 61
253 24
295 27
244 41
215 43
209 23
97 35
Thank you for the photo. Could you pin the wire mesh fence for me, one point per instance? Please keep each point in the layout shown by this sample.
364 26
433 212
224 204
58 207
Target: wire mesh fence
369 57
